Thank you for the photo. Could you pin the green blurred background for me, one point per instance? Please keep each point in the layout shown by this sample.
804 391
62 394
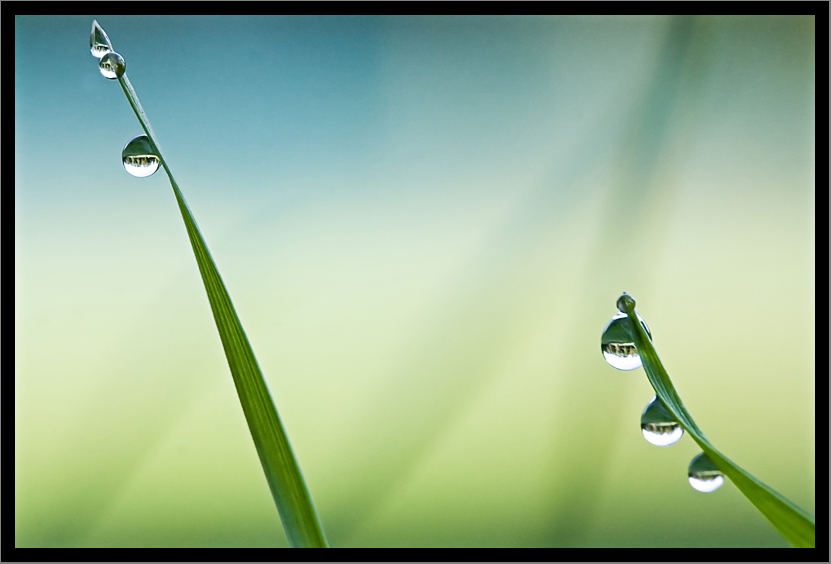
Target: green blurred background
424 224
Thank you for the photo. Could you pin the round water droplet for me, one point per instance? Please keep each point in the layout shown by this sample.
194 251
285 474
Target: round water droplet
99 43
658 425
112 65
625 303
704 474
138 157
616 343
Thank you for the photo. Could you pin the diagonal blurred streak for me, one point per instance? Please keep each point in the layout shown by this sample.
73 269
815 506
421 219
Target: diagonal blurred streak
628 244
464 372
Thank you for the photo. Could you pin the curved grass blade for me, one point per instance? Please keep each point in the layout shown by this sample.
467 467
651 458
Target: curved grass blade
796 525
282 472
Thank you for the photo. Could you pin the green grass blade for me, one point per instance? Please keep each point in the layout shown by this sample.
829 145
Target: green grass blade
282 472
796 525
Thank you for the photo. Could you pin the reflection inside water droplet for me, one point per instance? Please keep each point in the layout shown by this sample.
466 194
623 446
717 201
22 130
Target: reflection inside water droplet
659 426
112 65
138 157
616 343
704 474
99 43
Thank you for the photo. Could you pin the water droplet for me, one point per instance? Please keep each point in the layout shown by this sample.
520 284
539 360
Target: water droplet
658 425
99 43
617 346
138 157
704 474
112 65
625 303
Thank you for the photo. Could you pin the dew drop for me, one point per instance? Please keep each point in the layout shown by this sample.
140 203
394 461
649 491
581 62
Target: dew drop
138 157
658 425
616 343
704 474
112 65
99 43
625 303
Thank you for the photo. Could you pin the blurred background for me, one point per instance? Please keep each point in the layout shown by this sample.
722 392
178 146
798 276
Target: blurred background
424 224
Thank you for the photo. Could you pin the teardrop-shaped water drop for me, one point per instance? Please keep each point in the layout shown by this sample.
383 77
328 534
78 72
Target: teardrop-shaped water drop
138 157
616 343
112 65
704 474
99 43
658 425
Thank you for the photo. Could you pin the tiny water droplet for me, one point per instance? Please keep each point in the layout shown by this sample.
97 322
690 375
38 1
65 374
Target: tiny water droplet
138 157
625 303
617 346
112 65
704 474
658 425
99 43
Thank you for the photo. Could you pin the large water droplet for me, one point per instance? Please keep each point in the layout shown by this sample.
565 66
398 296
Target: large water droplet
99 43
658 425
617 346
704 474
138 157
112 65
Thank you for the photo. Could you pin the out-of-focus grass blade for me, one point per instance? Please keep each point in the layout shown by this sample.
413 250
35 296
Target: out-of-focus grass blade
291 496
796 525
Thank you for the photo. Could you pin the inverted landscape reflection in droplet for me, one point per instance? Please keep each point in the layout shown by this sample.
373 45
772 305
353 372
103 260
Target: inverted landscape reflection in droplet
99 43
658 425
704 475
138 157
617 346
112 65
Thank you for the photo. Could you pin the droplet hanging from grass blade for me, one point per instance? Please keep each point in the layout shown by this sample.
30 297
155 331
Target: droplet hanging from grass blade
704 474
112 65
99 43
658 425
617 345
138 157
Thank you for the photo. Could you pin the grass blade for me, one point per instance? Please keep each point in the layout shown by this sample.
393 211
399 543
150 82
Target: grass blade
282 472
796 525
